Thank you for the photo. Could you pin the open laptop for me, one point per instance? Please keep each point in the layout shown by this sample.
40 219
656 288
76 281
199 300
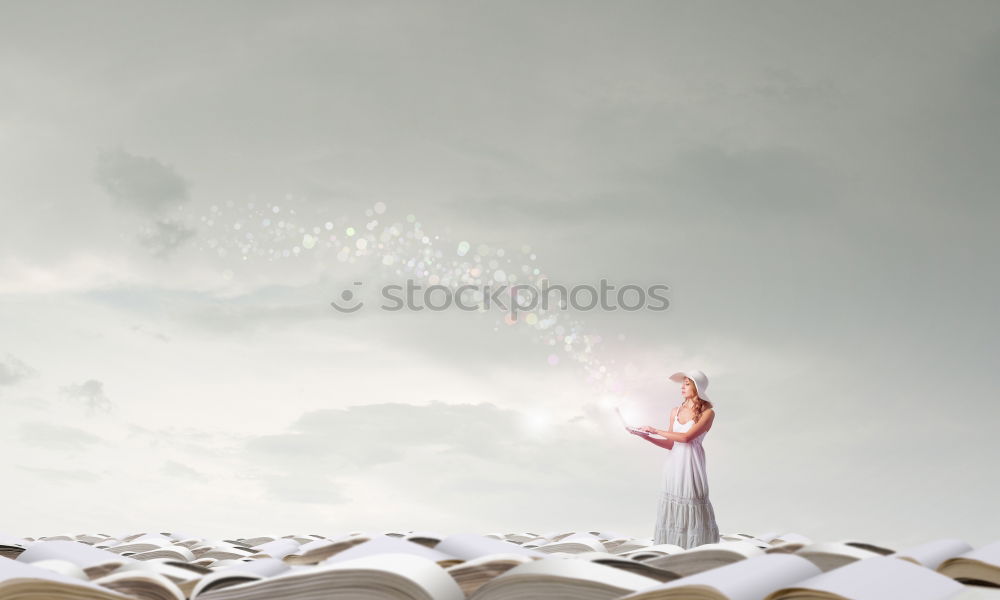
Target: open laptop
629 427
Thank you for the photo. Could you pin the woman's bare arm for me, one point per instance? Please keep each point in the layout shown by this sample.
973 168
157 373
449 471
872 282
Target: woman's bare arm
703 425
668 444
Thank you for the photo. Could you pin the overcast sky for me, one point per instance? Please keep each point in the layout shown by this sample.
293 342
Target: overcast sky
815 182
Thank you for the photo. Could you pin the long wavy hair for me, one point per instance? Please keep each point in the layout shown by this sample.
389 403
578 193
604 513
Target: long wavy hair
700 405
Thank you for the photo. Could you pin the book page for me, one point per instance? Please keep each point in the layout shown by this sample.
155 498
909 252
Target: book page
263 567
388 544
990 554
314 545
252 570
176 553
878 578
425 535
278 548
154 539
82 555
658 549
976 592
59 565
743 549
127 582
173 570
12 569
581 571
318 545
597 556
421 572
469 545
749 579
13 540
792 537
594 544
935 552
490 558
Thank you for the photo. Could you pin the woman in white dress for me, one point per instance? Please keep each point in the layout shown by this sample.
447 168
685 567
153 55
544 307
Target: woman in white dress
685 516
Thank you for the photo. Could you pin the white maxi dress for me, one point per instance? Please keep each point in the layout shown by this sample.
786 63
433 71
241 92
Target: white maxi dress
685 516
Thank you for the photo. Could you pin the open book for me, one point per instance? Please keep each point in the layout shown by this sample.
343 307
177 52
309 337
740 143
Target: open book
705 557
556 577
11 546
594 565
932 554
94 562
29 582
378 576
877 578
156 577
782 576
315 551
748 579
833 555
470 560
483 558
620 562
977 566
575 543
242 572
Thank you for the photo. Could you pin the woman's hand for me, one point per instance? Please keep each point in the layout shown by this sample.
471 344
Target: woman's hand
648 429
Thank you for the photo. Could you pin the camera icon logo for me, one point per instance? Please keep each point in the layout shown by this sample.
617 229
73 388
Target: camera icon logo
348 296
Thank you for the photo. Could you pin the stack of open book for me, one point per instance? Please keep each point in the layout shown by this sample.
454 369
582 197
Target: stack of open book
592 565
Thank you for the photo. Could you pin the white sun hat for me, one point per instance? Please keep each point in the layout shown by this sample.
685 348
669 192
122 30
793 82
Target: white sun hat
700 381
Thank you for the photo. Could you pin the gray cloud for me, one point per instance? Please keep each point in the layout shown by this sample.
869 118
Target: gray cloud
13 370
91 392
37 433
148 187
162 236
140 183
